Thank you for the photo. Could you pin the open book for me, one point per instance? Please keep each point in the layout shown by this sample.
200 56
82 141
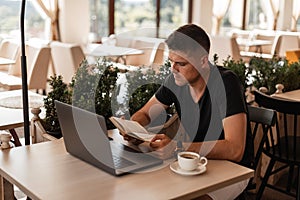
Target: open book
132 128
136 130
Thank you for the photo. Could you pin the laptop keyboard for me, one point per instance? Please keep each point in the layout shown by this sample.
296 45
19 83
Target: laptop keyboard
121 162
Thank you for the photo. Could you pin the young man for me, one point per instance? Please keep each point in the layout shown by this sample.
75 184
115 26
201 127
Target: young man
210 103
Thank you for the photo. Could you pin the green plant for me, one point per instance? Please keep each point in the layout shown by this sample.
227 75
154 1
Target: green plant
142 84
59 91
268 73
94 88
238 67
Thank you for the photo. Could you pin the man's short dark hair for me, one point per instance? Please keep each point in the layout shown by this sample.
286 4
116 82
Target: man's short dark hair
189 38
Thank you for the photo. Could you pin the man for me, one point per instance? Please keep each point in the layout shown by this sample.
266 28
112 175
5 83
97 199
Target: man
210 103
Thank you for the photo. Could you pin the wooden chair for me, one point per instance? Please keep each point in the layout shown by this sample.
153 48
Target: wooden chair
283 144
153 53
38 132
288 42
66 58
261 120
9 49
224 47
37 69
292 55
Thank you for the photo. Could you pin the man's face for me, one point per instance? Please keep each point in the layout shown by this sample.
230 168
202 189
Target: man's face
183 71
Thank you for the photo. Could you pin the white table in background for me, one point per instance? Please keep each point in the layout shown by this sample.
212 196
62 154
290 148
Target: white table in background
99 50
247 43
11 116
102 50
6 61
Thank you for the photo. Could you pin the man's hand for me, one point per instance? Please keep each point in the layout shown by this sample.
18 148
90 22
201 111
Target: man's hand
163 147
132 140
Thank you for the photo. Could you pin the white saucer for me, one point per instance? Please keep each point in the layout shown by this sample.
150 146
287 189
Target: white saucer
175 168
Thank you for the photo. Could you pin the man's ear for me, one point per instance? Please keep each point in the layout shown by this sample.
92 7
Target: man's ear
204 59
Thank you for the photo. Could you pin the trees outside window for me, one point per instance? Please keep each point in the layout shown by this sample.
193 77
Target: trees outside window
10 20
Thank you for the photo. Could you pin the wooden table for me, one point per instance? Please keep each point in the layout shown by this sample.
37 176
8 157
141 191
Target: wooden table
11 118
47 171
291 95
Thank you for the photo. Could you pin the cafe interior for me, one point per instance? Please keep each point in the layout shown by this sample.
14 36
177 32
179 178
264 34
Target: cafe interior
55 51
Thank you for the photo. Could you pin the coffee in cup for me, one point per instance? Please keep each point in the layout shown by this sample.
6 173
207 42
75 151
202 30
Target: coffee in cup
190 160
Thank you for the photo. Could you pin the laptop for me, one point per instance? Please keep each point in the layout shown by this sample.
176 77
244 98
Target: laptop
85 136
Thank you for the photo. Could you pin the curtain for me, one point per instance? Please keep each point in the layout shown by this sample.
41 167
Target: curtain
236 13
272 14
295 15
219 10
50 8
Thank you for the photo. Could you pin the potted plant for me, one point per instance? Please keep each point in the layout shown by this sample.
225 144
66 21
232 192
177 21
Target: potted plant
61 92
269 73
95 88
141 86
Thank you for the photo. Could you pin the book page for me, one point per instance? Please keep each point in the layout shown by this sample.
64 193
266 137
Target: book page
132 128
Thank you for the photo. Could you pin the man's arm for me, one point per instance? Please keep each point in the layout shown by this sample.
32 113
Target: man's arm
232 147
149 111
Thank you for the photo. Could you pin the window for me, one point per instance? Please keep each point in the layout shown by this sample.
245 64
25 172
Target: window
138 17
173 13
98 19
10 20
255 17
135 15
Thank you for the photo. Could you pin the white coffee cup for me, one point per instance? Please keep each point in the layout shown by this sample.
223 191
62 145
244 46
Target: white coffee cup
190 160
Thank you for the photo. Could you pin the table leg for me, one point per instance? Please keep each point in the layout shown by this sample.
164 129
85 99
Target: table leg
7 190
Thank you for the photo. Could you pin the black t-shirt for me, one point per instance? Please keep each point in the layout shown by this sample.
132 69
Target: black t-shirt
222 98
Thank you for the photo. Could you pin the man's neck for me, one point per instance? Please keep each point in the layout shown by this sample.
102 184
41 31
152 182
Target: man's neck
197 89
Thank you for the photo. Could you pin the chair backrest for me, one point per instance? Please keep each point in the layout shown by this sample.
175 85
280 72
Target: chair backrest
292 55
261 119
10 49
282 143
37 62
268 36
287 42
38 65
149 52
66 59
224 46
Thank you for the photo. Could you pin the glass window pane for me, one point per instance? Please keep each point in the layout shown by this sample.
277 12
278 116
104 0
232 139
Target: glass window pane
173 13
135 16
98 19
10 20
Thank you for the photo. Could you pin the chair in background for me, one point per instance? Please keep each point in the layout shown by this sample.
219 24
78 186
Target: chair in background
261 120
283 144
292 55
153 53
37 69
275 48
10 49
224 47
66 58
288 42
